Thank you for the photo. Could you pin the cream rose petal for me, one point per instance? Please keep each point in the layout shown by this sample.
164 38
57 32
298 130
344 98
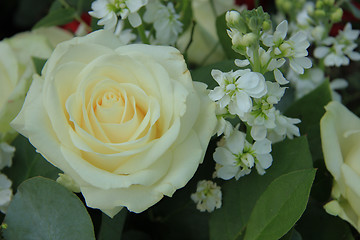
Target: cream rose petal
334 123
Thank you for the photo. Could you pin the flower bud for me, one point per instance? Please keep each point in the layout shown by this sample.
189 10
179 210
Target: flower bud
232 18
337 15
248 39
266 26
320 13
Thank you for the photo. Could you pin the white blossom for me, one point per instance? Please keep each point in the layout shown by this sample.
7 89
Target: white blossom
297 52
262 116
237 156
339 50
285 127
207 197
277 38
108 11
295 49
166 22
5 193
236 89
6 154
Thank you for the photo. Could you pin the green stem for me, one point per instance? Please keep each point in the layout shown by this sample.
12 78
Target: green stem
257 63
142 34
190 41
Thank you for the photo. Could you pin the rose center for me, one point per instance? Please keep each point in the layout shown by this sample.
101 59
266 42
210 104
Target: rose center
109 107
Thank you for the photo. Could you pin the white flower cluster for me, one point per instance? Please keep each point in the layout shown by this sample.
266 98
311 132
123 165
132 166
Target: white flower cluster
295 49
207 197
166 22
246 94
337 51
315 22
237 156
112 14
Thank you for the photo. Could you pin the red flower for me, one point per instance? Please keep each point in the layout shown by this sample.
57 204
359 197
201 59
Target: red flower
73 26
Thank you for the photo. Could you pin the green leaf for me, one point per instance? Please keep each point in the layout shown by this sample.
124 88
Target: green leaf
224 38
239 197
203 74
316 224
280 206
310 110
111 228
39 64
57 17
27 163
43 209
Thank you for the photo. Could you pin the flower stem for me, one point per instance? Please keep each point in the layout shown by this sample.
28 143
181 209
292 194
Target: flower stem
142 34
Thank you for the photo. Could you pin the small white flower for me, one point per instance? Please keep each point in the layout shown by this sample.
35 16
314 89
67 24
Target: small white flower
262 115
5 193
108 11
107 16
338 51
207 197
166 22
125 35
6 155
277 38
285 127
237 156
236 89
297 52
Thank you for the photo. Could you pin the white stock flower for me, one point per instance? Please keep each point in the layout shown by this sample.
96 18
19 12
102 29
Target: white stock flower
108 11
237 156
236 89
277 38
297 52
262 116
285 127
295 49
5 193
207 197
6 155
166 22
339 50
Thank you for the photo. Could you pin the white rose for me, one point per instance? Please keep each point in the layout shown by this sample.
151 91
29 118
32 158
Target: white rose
205 47
126 123
17 68
340 136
